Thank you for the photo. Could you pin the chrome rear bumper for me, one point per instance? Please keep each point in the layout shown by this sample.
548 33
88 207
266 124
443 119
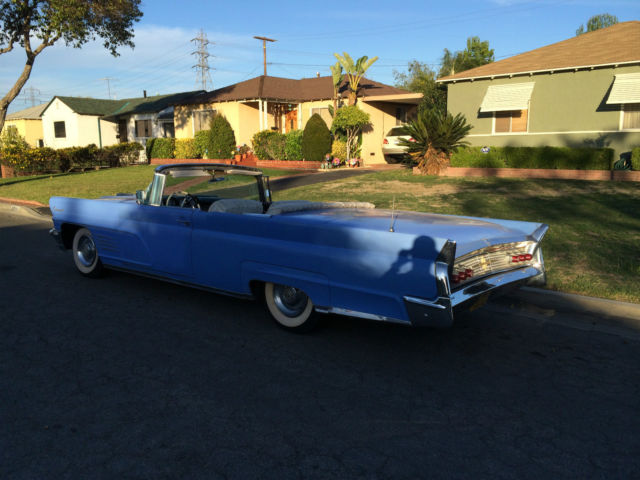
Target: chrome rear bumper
440 312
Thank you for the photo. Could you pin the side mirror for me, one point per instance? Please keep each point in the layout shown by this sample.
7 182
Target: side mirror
141 197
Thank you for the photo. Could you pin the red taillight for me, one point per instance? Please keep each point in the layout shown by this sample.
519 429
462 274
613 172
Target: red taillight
385 142
411 139
521 258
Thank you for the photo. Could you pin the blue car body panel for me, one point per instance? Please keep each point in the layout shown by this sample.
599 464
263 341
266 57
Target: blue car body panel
367 261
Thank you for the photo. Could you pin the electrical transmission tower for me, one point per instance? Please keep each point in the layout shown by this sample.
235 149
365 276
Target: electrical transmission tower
108 80
202 67
32 95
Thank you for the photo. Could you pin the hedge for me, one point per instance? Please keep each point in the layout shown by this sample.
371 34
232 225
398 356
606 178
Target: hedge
293 145
201 141
160 147
269 145
535 157
635 159
186 148
222 140
47 160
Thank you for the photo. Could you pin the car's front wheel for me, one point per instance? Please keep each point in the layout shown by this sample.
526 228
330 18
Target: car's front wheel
290 307
85 254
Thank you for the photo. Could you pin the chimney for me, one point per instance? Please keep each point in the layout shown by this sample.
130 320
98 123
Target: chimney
144 92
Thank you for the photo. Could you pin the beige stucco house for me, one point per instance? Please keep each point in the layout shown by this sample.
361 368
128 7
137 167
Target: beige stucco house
283 104
28 124
584 91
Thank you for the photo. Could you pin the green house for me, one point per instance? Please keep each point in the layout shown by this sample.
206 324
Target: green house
581 92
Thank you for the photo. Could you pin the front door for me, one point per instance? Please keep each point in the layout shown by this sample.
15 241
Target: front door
122 131
291 120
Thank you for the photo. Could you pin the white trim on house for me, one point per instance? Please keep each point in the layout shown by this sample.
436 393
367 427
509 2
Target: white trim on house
533 72
625 89
552 133
504 98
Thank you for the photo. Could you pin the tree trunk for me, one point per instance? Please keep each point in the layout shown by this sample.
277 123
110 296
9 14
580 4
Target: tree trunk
15 90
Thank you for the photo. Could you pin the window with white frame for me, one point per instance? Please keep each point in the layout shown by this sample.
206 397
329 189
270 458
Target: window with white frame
143 129
324 114
631 116
59 130
511 121
202 119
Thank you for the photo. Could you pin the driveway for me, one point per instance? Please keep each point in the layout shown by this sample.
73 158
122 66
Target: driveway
126 377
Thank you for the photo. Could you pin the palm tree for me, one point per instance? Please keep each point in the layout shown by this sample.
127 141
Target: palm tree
336 76
355 71
434 136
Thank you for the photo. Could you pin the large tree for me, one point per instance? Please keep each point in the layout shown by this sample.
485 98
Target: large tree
34 25
422 79
476 54
354 71
596 22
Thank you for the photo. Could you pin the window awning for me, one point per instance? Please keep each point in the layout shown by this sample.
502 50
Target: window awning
626 89
503 98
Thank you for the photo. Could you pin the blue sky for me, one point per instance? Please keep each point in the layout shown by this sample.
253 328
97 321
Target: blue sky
307 34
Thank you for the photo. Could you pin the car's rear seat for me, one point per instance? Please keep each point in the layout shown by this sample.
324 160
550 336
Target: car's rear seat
236 205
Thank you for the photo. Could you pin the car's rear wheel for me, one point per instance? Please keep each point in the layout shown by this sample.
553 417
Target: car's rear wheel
290 307
85 254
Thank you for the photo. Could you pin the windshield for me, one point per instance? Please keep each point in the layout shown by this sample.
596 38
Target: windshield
396 132
214 186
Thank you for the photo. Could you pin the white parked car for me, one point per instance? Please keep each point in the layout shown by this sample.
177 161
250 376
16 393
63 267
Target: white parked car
391 144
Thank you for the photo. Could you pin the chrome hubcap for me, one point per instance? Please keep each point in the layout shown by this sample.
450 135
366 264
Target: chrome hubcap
290 301
86 251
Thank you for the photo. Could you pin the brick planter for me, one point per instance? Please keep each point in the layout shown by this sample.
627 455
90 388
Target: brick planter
617 175
249 162
7 172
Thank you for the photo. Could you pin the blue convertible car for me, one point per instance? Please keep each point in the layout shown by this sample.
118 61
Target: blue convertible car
215 227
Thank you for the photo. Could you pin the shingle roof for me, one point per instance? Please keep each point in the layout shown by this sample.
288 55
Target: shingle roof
287 89
31 113
613 45
126 106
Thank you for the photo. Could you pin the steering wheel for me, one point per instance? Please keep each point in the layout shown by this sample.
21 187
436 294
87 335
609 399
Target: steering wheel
189 201
172 201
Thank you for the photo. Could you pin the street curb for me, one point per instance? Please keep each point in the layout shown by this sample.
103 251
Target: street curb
39 212
571 302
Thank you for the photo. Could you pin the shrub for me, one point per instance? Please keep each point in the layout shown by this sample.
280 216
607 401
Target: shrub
120 154
201 143
13 148
635 159
293 145
339 149
81 158
316 139
535 157
473 157
162 147
269 145
222 141
186 148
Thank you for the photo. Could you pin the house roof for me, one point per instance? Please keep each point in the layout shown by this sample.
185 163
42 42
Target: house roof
111 109
615 45
31 113
287 89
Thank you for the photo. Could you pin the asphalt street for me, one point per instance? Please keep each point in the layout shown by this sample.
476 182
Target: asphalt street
131 378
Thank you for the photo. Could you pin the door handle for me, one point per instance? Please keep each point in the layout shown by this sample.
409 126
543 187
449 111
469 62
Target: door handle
184 222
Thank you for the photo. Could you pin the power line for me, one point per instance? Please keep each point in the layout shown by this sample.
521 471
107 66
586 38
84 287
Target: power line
202 54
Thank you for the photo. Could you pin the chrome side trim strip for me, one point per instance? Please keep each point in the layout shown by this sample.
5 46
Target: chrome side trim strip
540 232
356 314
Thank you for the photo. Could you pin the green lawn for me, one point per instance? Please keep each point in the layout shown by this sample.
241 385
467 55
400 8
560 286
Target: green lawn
91 184
593 245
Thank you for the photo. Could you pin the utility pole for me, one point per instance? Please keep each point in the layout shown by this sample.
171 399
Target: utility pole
108 80
264 50
32 94
202 54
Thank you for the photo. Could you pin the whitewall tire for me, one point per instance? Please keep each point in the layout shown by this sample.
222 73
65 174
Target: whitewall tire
290 307
85 254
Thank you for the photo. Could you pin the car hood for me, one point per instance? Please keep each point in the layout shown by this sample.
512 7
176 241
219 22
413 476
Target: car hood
469 233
